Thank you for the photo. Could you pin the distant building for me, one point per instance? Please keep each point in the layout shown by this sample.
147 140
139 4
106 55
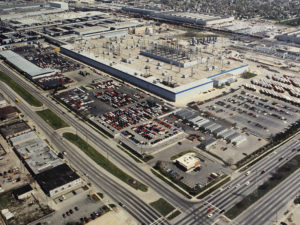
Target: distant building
61 5
293 36
188 161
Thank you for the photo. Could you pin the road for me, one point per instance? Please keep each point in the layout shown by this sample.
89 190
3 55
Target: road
193 212
134 205
234 191
144 176
267 210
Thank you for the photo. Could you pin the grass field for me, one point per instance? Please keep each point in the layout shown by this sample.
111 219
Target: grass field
20 90
52 119
247 75
104 162
162 206
6 200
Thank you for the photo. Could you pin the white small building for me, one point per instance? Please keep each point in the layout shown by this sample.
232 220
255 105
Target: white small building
23 192
61 5
188 161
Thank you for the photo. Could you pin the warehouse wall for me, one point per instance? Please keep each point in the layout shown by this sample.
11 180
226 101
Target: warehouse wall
122 75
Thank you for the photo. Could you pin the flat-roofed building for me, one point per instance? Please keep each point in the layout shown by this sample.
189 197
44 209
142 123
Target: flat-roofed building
58 180
14 129
188 161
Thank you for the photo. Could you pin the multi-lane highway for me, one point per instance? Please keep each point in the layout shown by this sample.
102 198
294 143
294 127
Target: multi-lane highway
224 198
205 212
267 210
134 205
144 176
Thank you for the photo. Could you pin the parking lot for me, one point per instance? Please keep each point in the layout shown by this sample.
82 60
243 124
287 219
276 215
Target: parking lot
196 178
47 58
150 136
253 113
77 207
12 172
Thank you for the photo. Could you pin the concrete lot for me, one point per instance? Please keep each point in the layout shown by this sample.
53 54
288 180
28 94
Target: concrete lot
239 110
208 163
85 205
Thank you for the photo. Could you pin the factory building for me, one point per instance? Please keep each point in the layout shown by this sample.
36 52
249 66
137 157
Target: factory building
293 36
188 162
25 66
150 84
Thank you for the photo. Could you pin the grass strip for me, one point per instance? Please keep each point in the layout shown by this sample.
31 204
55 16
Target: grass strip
20 90
282 173
162 206
52 119
170 183
174 214
143 157
104 162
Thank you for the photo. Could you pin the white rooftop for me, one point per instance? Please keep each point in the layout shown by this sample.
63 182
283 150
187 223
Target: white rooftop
24 65
188 160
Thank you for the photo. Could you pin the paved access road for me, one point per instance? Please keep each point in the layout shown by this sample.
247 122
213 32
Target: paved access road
134 205
122 158
226 197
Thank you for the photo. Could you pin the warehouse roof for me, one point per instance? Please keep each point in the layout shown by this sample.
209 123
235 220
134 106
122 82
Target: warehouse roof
56 177
24 65
22 190
14 128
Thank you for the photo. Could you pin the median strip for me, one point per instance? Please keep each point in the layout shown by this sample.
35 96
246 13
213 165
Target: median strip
20 90
280 175
52 119
162 206
104 162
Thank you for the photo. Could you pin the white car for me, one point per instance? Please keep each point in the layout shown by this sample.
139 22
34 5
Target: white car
247 183
248 172
209 215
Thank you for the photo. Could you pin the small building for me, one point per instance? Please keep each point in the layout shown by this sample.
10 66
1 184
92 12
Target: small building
222 80
14 129
219 131
239 140
213 128
23 192
226 134
8 112
208 125
58 180
232 137
7 215
188 161
61 5
208 143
